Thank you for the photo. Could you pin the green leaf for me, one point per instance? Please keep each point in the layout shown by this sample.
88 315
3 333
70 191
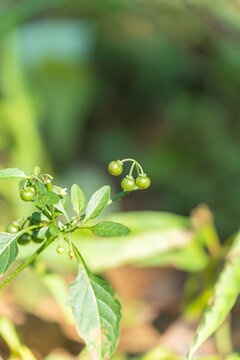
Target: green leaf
97 203
42 188
96 311
109 228
77 199
42 233
39 216
53 230
50 198
6 239
8 256
11 174
62 204
226 292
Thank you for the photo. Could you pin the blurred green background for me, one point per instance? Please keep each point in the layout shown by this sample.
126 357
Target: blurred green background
82 83
86 82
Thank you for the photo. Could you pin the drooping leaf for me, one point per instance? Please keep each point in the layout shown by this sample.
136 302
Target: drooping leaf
96 311
50 198
109 228
8 256
226 292
97 203
11 174
77 199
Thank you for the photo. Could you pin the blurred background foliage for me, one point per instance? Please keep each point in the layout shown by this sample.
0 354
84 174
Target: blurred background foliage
83 83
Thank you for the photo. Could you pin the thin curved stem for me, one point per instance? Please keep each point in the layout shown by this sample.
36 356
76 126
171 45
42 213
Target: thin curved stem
118 196
24 265
137 168
132 167
141 169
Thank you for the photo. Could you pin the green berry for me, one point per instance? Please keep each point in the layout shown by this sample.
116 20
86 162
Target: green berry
12 229
143 182
24 239
28 194
60 249
71 254
115 168
128 183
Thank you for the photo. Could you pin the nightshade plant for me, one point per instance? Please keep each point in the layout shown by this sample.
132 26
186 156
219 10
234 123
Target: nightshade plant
95 306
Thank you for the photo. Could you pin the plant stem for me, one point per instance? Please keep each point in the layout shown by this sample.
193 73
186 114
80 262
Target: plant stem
118 196
141 169
24 265
132 167
49 186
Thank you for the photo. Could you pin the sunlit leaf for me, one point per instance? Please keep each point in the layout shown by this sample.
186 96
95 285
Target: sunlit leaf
8 256
96 311
11 174
77 199
6 239
109 228
97 203
50 198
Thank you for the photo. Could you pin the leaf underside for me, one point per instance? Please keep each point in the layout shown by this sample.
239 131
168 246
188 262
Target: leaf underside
96 311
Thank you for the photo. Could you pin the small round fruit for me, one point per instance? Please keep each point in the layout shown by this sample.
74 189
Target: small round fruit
60 249
28 194
128 183
71 254
115 168
12 229
24 239
143 182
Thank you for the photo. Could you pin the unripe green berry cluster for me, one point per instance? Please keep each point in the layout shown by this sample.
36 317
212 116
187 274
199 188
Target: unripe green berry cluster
128 183
25 238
